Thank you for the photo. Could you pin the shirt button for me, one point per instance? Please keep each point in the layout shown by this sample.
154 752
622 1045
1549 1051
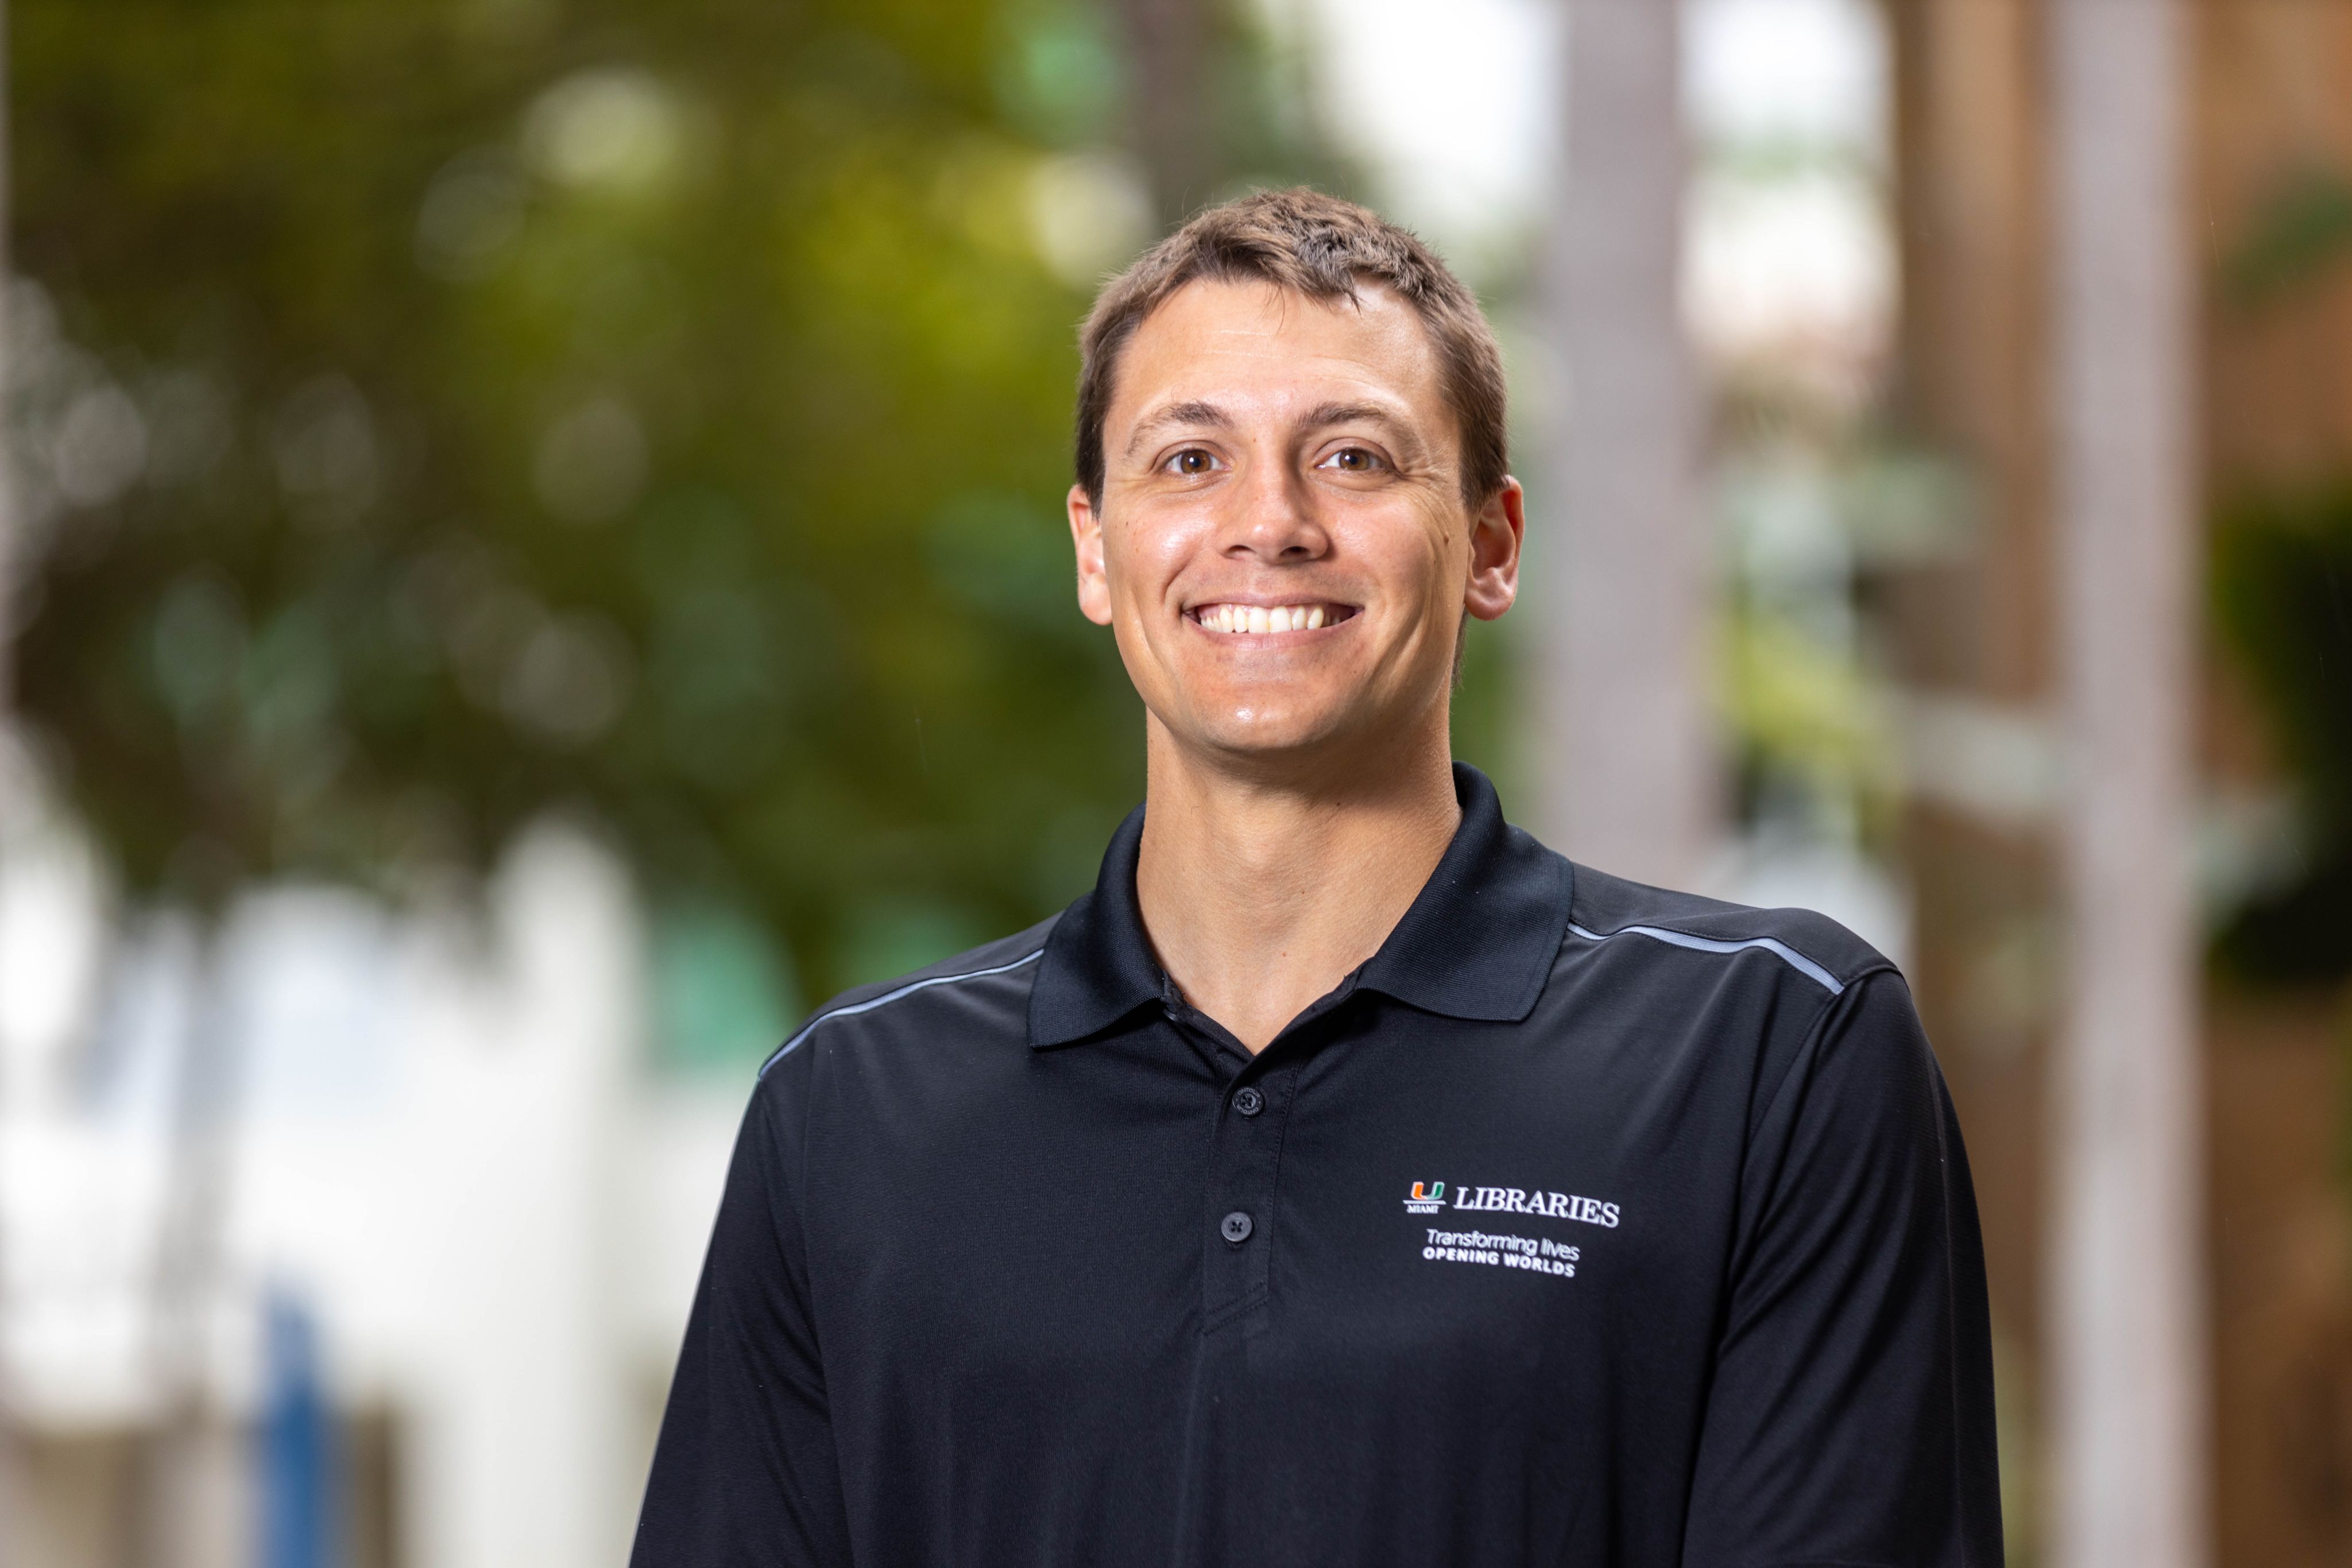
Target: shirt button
1236 1227
1249 1101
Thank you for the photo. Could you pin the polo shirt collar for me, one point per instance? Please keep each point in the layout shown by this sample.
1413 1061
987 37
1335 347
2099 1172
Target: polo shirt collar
1099 965
1477 943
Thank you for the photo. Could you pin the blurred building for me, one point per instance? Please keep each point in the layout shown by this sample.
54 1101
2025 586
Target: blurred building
446 1142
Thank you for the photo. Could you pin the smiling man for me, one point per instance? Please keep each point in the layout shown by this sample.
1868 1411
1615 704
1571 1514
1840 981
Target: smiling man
1347 1178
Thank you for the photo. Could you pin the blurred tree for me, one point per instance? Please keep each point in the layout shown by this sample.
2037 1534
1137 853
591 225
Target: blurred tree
2299 230
432 413
2282 585
2281 595
1167 115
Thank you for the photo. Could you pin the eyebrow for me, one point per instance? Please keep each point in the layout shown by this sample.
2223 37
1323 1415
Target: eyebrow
1322 416
1401 432
1330 413
1193 412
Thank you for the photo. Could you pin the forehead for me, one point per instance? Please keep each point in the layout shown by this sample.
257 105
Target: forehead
1259 347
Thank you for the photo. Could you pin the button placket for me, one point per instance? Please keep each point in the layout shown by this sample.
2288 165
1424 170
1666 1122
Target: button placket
1241 1193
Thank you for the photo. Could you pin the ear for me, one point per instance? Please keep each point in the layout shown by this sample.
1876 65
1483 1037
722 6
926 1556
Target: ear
1496 535
1086 538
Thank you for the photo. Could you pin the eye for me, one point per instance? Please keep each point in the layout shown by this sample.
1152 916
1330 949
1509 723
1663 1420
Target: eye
1191 462
1354 460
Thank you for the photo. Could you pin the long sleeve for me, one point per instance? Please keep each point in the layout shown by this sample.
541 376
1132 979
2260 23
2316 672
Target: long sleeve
745 1470
1849 1417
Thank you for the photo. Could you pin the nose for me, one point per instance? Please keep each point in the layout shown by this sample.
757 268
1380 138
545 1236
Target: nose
1272 519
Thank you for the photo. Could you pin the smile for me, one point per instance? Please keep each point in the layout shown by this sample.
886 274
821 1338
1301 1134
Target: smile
1244 619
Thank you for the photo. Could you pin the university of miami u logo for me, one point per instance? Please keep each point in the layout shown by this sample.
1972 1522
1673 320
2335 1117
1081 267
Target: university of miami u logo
1428 1198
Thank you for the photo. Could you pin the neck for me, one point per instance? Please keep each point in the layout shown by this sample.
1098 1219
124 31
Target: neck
1261 892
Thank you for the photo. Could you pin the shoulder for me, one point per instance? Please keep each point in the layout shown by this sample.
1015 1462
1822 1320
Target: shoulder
986 988
1682 936
1785 998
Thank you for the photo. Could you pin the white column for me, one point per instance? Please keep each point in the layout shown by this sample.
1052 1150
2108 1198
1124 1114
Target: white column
2128 1340
1618 564
525 1449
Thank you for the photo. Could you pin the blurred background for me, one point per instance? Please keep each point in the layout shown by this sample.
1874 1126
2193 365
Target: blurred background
533 555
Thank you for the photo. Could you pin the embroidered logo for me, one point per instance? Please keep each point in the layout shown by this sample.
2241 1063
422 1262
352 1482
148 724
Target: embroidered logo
1429 1196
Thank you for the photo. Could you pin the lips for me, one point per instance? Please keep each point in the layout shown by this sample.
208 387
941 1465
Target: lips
1238 619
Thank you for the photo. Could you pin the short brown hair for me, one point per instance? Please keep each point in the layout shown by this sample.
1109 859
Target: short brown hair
1324 248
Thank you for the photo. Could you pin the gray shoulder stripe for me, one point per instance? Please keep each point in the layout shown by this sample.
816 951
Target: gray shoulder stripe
887 996
1788 955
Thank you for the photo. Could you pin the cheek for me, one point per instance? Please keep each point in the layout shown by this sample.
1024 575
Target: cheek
1142 556
1413 556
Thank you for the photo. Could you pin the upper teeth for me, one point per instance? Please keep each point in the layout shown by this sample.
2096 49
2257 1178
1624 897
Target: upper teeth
1258 617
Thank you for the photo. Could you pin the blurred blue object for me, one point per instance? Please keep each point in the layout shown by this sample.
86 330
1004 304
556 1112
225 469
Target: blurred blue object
296 1464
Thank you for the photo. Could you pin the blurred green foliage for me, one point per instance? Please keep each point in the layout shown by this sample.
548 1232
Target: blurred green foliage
430 414
2300 229
1810 509
1803 712
2282 588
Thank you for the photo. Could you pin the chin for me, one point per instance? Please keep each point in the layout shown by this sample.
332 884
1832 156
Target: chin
1258 734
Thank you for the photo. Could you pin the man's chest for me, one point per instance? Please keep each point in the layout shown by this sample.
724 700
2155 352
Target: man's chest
1505 1225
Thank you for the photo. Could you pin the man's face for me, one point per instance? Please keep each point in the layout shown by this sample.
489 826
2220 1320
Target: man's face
1282 550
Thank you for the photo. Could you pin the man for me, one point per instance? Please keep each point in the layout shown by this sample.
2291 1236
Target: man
1347 1178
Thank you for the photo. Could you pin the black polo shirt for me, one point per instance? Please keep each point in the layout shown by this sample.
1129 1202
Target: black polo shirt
1586 1223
